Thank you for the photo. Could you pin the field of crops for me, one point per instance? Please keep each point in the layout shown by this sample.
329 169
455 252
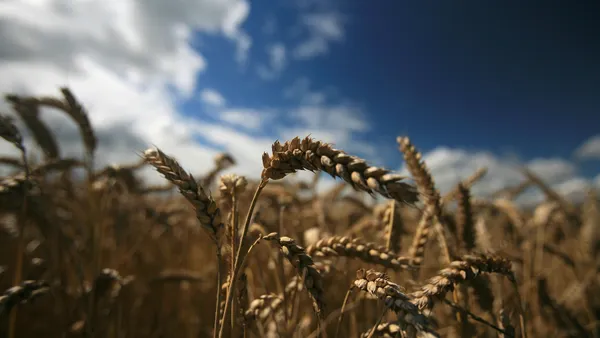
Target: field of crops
102 253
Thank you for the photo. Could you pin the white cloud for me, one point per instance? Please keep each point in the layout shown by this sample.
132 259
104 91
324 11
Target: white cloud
337 124
277 62
573 189
246 118
129 62
236 15
552 169
590 149
597 181
246 150
323 29
449 166
212 97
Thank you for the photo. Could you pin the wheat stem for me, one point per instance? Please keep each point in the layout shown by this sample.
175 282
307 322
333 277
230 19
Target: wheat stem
237 265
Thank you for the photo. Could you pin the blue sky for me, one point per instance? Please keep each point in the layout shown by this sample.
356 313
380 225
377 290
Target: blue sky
505 77
500 84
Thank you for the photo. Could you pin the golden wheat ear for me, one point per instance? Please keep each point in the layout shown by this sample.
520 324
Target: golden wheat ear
312 155
305 267
432 200
207 212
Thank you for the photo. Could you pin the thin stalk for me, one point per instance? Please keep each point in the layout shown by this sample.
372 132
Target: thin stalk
475 317
391 230
385 309
97 243
280 266
522 323
297 312
331 317
219 282
234 235
20 244
341 318
237 265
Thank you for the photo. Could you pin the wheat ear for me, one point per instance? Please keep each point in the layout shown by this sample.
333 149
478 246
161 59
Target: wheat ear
464 219
312 155
468 268
378 284
207 212
305 267
418 169
356 248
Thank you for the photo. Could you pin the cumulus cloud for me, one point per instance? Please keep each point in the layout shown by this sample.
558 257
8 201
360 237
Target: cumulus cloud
323 29
590 149
129 62
212 97
450 165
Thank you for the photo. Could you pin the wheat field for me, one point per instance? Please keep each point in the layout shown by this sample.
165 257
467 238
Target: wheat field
105 254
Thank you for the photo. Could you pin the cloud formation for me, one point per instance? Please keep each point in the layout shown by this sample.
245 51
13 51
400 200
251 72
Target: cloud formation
132 65
323 29
251 119
129 62
277 62
212 97
449 166
590 149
